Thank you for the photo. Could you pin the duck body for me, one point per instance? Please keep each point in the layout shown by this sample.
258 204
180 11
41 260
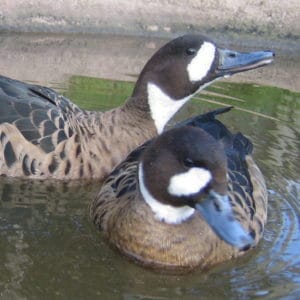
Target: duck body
136 229
44 135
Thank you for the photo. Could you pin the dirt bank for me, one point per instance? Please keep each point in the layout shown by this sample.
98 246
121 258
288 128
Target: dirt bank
153 17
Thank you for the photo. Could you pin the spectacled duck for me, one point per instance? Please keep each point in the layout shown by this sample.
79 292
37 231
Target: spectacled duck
43 134
191 197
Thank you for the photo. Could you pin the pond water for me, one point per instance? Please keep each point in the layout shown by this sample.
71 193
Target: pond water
50 250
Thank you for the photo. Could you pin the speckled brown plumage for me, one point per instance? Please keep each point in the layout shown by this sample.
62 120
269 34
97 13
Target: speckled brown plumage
129 224
43 134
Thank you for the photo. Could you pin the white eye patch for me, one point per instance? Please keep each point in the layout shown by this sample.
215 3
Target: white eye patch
190 182
200 65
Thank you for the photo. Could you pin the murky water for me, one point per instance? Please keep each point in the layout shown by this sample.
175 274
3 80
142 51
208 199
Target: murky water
50 250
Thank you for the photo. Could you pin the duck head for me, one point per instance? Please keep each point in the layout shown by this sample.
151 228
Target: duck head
184 66
184 172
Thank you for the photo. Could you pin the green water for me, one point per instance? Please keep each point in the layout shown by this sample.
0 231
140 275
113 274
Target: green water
50 250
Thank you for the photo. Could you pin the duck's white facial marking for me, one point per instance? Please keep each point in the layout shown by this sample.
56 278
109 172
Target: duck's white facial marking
164 213
162 106
190 182
200 65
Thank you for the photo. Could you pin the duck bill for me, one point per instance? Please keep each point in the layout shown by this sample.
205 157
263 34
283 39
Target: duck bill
231 62
217 212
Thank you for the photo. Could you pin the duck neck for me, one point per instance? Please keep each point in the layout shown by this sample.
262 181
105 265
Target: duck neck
160 106
107 138
163 212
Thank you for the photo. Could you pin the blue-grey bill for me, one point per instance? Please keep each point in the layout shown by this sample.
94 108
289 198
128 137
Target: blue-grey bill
217 212
231 62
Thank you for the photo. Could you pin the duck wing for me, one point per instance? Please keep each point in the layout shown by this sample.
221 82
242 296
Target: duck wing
40 114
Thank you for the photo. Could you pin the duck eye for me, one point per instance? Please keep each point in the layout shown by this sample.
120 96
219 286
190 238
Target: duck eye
190 51
232 54
188 163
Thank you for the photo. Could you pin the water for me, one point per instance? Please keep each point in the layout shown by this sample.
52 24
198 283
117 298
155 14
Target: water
50 250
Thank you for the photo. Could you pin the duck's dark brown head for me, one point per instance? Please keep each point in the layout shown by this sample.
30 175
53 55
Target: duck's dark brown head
184 66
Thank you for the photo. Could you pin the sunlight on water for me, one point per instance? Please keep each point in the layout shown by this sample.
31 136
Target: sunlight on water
50 250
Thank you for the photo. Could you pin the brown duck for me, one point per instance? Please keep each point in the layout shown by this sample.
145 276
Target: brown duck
192 197
43 134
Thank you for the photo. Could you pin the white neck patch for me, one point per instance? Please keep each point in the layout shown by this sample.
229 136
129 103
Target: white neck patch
200 65
163 212
162 107
190 182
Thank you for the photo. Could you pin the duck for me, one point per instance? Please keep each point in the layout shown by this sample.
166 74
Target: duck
191 198
44 135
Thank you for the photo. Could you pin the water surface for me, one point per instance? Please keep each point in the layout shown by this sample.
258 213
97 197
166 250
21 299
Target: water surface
50 250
